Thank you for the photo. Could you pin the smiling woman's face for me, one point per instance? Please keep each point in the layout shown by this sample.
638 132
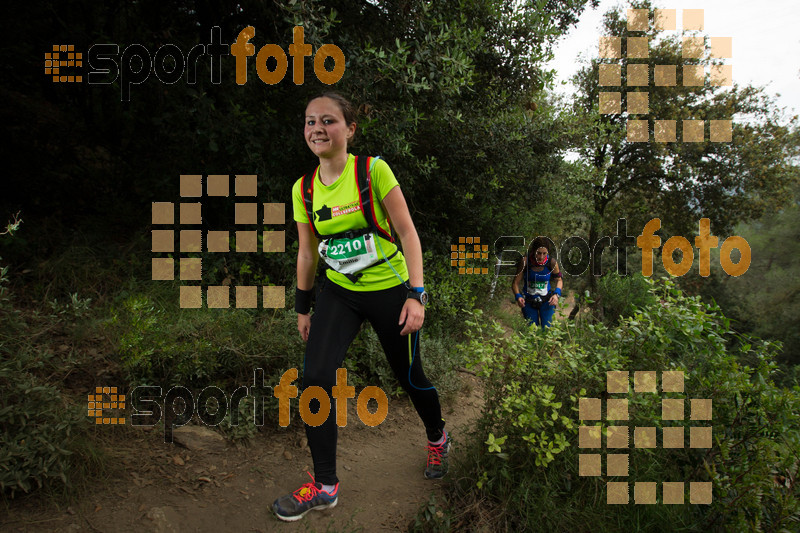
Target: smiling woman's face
326 131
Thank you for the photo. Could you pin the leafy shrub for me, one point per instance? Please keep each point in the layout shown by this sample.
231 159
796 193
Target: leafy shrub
620 296
197 347
245 427
452 296
531 380
40 438
43 440
39 431
523 456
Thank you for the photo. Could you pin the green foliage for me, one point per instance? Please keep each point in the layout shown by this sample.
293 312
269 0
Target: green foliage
43 441
149 351
452 295
40 432
4 296
11 228
156 344
764 300
678 182
533 382
530 383
725 181
432 517
245 427
620 296
450 93
76 307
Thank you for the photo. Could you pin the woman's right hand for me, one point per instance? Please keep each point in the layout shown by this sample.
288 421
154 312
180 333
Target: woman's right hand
304 325
521 302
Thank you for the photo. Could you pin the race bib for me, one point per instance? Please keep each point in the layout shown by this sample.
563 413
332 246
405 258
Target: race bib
540 288
349 256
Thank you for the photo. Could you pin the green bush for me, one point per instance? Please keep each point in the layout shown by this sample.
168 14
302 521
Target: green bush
160 344
453 296
245 427
620 296
523 457
40 433
38 429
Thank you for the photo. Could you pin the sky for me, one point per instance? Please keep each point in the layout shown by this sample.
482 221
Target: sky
765 36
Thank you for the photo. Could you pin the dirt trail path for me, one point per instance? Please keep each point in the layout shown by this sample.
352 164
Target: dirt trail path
160 487
163 488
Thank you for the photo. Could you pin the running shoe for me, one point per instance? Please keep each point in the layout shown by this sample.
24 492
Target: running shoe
437 458
310 496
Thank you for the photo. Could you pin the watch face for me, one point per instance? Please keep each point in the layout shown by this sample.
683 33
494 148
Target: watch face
423 298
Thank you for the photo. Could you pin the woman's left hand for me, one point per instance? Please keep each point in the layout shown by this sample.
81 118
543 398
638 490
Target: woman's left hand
413 314
554 300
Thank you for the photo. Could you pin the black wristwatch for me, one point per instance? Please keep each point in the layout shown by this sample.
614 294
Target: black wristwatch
417 293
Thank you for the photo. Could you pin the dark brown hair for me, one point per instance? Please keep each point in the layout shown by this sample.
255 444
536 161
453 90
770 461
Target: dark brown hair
539 242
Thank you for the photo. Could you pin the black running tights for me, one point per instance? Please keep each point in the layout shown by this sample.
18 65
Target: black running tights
337 319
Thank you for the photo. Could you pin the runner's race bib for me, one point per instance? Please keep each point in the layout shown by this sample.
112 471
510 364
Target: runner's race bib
540 288
349 256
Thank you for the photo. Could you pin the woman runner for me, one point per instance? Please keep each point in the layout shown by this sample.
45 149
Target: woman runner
368 278
538 298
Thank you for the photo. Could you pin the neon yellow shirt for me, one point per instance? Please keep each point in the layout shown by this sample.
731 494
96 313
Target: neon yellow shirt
336 208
